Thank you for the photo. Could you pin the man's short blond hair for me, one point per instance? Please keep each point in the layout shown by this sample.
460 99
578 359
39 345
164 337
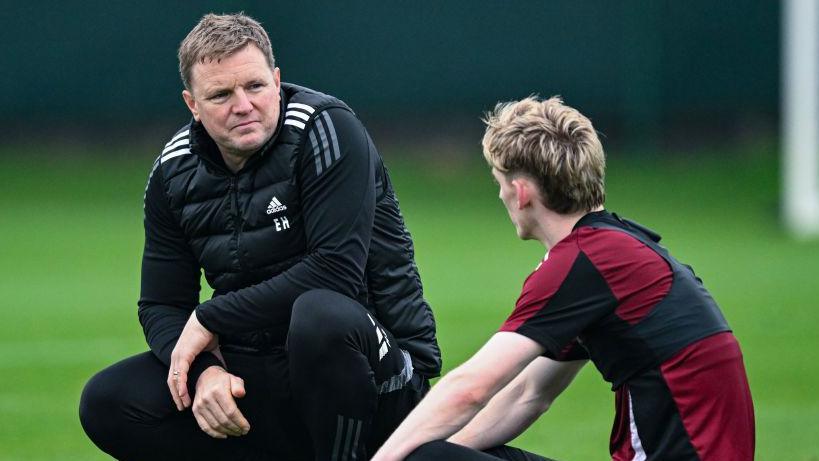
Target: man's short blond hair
551 143
217 36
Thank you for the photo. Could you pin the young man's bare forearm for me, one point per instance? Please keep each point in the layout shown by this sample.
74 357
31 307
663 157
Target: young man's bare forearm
461 394
518 405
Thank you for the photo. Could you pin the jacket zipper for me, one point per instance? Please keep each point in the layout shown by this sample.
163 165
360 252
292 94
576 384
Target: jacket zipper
233 192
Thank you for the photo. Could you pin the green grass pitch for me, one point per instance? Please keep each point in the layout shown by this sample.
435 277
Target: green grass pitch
71 237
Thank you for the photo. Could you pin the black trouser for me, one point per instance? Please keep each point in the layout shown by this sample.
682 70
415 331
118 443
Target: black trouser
335 393
440 450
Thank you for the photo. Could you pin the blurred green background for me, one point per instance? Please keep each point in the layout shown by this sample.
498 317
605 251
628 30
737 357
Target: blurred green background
685 94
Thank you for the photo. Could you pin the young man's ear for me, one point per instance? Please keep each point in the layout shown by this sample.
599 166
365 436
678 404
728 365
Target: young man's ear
191 103
523 192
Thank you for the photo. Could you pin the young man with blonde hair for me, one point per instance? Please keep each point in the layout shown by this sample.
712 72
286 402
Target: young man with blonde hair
318 340
605 292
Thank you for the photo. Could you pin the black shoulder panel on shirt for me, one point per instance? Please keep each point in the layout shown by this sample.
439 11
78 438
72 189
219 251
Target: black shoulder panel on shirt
583 298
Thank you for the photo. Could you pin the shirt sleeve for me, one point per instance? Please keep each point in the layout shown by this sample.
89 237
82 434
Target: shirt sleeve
336 177
563 297
170 278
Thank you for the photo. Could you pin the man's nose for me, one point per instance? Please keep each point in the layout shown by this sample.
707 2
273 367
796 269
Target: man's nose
242 103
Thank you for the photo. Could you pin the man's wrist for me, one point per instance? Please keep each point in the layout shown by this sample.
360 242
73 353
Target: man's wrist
202 362
210 370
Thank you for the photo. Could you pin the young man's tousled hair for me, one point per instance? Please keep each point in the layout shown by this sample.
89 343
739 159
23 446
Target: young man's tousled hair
551 143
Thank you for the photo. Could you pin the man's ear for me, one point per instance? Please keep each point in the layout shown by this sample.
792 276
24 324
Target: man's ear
523 192
277 78
191 103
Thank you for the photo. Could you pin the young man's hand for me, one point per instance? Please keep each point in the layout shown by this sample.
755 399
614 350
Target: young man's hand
214 405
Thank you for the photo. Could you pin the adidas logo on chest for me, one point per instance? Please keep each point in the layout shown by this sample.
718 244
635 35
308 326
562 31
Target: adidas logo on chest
275 206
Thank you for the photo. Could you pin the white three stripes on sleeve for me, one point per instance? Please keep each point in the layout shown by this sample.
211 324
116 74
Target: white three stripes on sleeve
297 114
181 142
178 136
178 145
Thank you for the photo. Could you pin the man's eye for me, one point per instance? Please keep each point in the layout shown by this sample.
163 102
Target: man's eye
256 85
218 96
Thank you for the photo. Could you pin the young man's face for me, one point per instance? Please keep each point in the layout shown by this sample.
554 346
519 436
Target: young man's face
236 99
509 196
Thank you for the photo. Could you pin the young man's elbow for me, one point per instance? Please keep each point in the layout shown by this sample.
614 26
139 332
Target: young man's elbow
535 398
468 391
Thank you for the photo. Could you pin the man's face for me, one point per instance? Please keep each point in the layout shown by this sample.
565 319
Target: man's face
237 100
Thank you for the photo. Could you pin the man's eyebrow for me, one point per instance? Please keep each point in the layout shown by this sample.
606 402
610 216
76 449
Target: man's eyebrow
255 77
215 87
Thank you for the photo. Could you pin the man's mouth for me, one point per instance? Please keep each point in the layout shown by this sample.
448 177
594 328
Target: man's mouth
244 124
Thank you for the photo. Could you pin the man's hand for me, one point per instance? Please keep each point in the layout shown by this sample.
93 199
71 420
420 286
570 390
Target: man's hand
214 406
193 340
